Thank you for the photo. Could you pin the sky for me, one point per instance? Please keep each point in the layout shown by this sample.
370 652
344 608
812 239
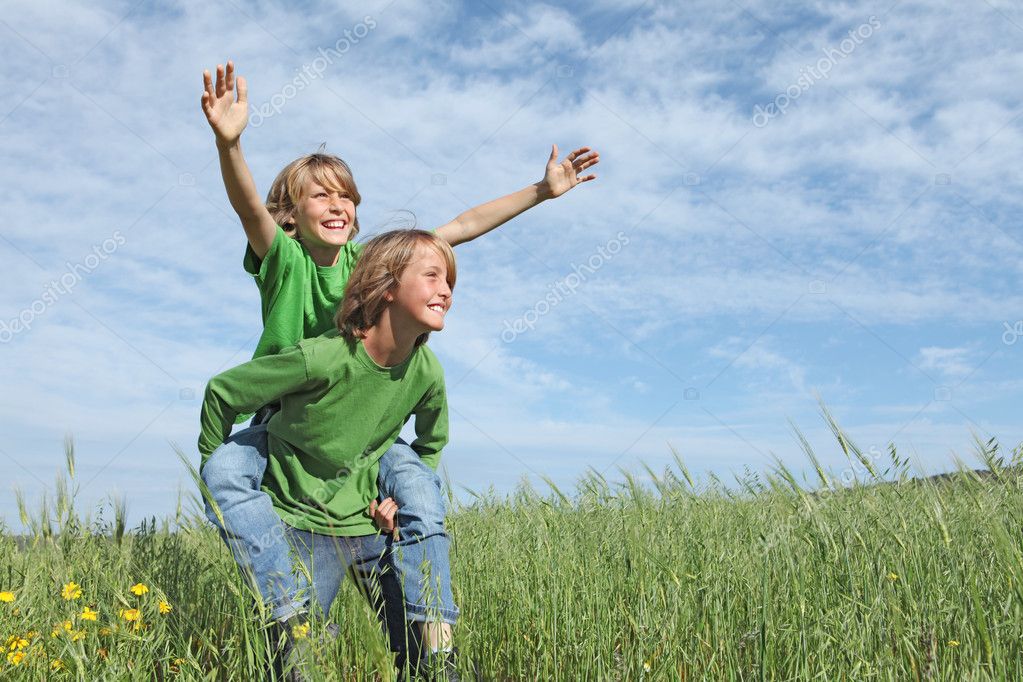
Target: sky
797 203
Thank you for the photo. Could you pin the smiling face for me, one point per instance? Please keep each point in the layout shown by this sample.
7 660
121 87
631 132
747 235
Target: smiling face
324 216
423 295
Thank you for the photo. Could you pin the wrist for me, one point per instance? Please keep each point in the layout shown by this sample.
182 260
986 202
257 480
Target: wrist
543 191
224 144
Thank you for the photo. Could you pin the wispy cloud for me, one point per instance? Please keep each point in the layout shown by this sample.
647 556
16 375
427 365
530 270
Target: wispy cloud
864 244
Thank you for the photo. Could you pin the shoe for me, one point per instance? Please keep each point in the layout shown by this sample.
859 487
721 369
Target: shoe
439 666
294 649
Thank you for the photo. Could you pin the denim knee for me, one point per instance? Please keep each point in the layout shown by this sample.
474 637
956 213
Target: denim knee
235 468
419 495
413 485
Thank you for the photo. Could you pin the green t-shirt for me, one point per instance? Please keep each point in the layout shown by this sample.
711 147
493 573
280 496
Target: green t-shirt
298 297
340 412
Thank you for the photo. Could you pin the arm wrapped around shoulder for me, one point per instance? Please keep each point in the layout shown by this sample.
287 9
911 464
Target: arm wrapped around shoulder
245 389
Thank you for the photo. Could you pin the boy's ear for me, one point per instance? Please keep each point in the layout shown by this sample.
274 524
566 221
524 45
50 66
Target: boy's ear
389 296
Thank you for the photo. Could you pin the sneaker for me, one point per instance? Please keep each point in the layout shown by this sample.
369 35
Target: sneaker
440 666
295 652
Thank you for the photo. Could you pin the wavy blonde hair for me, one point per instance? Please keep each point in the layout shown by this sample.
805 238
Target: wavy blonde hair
326 170
378 270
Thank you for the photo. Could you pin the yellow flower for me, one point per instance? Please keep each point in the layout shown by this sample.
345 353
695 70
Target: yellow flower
139 589
646 666
953 642
15 643
66 626
32 634
165 606
300 631
77 635
57 665
14 658
88 614
71 591
893 576
7 597
139 625
129 614
104 632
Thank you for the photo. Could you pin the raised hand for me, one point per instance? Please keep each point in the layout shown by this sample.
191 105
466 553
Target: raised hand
226 115
562 176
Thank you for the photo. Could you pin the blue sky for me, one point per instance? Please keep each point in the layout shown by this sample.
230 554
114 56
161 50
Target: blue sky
858 240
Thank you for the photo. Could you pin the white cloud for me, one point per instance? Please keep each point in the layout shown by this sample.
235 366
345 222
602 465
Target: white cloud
824 194
949 362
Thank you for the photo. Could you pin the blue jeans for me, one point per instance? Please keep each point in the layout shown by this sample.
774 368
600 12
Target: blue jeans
421 555
259 540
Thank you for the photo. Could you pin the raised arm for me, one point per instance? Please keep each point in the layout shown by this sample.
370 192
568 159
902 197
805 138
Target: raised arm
228 118
559 177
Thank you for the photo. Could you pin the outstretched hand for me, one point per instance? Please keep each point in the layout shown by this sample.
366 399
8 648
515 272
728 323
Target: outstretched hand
226 115
562 176
384 515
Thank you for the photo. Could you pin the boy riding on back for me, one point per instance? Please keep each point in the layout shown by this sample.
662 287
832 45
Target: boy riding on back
300 253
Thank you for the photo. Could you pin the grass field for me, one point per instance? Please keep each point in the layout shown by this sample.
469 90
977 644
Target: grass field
766 578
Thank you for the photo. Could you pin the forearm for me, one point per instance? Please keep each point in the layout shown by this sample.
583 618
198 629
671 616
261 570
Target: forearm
245 389
483 218
241 188
216 421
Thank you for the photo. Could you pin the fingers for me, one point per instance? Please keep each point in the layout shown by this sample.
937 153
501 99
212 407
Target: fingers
554 152
229 78
577 152
582 155
585 162
387 508
243 90
383 513
221 86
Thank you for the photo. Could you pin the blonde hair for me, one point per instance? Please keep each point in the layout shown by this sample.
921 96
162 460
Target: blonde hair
378 270
324 169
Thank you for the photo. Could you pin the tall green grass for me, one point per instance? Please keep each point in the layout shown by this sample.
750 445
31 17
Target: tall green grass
766 578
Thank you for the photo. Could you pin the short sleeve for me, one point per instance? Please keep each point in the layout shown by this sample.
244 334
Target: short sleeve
275 264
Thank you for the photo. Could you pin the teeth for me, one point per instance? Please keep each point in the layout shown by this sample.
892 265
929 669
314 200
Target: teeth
335 223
